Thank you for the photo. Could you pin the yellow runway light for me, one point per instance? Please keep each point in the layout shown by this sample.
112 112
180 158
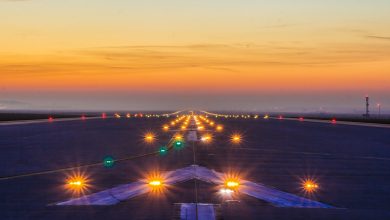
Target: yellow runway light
155 183
310 186
149 137
236 138
206 138
219 128
77 184
232 184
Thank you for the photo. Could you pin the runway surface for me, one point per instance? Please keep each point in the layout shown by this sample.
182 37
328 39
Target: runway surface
350 163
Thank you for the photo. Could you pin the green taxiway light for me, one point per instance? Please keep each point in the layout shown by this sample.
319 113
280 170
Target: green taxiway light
163 150
178 144
108 162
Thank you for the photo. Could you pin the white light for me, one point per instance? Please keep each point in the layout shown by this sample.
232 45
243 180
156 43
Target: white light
226 191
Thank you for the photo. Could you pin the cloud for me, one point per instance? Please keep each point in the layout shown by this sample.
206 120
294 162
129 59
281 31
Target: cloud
9 104
236 55
279 26
378 37
166 59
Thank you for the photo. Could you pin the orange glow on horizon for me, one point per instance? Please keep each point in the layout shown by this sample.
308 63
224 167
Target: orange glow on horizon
274 77
174 51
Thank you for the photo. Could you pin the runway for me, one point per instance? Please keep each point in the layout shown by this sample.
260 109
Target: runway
350 163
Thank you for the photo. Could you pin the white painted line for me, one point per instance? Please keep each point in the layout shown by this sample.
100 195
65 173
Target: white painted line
110 196
192 136
279 198
205 211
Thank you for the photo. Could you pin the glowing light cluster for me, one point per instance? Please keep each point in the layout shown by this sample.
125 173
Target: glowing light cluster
230 184
206 138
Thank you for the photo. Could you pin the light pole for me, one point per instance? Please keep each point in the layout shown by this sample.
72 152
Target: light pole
379 108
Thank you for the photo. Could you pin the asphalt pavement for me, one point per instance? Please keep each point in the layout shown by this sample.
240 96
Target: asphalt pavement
350 163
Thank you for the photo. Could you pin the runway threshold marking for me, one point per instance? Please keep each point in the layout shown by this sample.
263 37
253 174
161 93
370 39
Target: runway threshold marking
123 192
194 211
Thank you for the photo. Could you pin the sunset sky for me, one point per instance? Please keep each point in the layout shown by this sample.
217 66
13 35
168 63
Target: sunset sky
279 55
